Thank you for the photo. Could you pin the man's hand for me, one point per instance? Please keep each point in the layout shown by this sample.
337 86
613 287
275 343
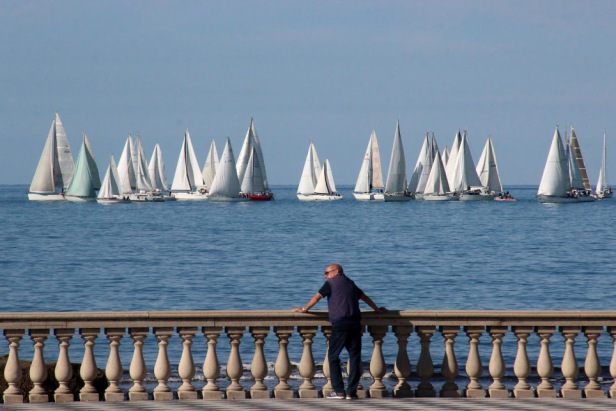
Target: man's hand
298 310
381 310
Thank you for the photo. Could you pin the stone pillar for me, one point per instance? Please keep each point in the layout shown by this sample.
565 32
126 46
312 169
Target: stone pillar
545 368
211 367
569 365
425 368
88 369
64 370
521 366
449 367
497 363
307 367
327 387
402 366
235 369
162 368
138 369
114 370
186 367
592 366
612 390
38 370
377 362
282 368
474 368
258 369
12 370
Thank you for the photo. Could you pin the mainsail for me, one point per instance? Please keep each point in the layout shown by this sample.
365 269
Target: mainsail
370 175
126 168
465 174
396 175
109 187
602 182
487 169
84 184
437 180
555 179
310 172
577 154
253 175
326 184
226 183
211 164
187 172
156 170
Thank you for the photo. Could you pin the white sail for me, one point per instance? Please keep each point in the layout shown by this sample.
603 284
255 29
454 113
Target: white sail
445 156
244 156
226 183
575 176
259 151
602 182
187 172
109 186
487 169
96 179
310 173
83 184
453 158
253 176
555 179
142 181
211 164
424 163
126 169
437 180
396 175
325 184
465 174
370 175
56 167
156 170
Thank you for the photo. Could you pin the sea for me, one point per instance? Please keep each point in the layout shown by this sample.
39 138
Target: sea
519 255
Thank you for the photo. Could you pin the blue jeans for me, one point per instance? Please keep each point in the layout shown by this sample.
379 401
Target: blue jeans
348 337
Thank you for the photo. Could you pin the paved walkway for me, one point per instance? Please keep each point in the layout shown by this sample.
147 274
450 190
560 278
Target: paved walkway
320 404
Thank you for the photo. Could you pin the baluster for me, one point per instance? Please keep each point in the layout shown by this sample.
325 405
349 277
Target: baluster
38 369
521 366
449 367
307 367
88 368
137 365
283 365
425 368
162 368
545 368
258 368
235 369
211 366
402 366
113 370
474 368
592 366
12 370
569 366
64 370
361 393
186 368
497 363
327 387
612 389
377 362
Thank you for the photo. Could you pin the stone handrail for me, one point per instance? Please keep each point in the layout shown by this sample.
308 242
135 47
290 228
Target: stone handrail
163 324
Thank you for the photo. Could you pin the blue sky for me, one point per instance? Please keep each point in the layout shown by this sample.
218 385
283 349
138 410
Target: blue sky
321 71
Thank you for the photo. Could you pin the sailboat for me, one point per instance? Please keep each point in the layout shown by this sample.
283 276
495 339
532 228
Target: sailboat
576 152
310 174
86 179
450 169
253 177
211 164
110 188
396 188
603 189
188 182
437 187
369 184
555 186
226 186
466 181
325 190
157 175
251 141
487 169
55 168
575 177
126 169
144 192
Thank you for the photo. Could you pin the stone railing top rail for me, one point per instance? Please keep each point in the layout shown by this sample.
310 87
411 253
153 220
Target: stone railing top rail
111 319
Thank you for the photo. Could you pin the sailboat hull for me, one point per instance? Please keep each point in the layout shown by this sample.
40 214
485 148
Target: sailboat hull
77 199
369 196
224 199
392 198
114 200
191 196
439 197
320 197
556 200
45 197
476 197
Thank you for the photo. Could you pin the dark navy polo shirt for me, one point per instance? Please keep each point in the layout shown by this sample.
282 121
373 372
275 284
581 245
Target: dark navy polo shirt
342 300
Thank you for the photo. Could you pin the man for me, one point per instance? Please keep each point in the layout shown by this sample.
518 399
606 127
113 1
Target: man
343 305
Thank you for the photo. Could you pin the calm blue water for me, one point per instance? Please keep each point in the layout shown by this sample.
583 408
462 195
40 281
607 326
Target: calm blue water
417 255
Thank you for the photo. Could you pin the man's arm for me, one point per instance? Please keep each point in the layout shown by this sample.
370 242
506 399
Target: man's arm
372 305
315 299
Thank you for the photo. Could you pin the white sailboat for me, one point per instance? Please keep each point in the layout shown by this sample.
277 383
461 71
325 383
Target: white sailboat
555 186
487 169
369 184
603 189
396 187
211 164
145 192
188 182
253 175
226 186
466 181
450 169
576 179
421 170
86 179
55 168
126 169
576 152
310 174
252 141
437 187
110 188
325 190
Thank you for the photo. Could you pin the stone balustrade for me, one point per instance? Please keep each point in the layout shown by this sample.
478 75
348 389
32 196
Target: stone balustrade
254 327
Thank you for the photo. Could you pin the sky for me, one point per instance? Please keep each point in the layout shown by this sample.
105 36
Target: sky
329 72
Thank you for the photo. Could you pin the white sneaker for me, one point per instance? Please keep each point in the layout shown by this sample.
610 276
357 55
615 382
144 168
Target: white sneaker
336 396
